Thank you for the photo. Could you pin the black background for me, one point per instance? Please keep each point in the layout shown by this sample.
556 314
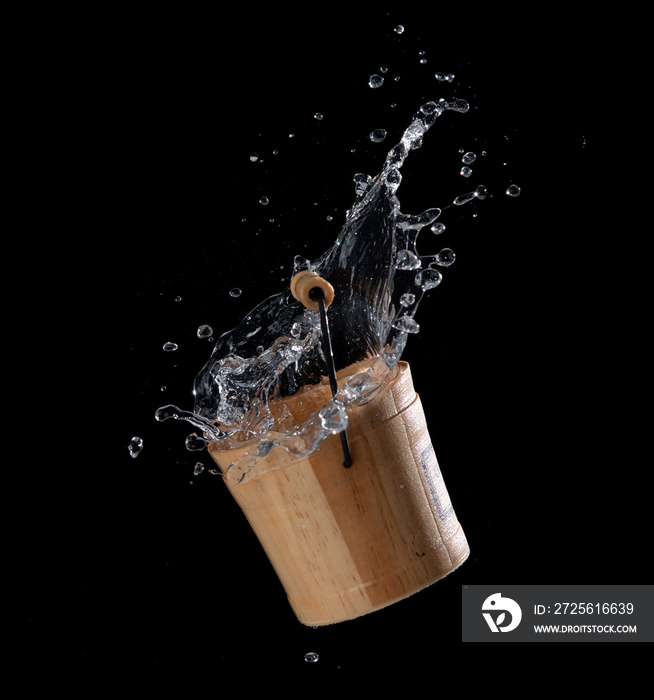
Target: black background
134 137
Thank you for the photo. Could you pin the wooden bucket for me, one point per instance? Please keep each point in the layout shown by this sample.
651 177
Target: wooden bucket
346 542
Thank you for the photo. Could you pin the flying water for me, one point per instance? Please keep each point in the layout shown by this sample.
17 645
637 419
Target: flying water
379 278
135 446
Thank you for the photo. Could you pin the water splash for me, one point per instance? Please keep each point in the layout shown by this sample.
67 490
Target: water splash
135 446
205 331
446 257
479 193
379 278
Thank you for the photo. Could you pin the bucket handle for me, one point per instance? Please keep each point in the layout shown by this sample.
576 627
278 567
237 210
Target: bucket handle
316 294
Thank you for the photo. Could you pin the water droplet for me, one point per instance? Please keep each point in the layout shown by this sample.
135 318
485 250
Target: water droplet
407 260
254 157
318 116
406 324
429 278
438 228
135 446
480 192
296 330
170 347
446 257
167 412
205 331
466 171
264 201
195 443
469 158
399 29
178 298
311 657
375 80
198 468
383 69
464 199
459 106
377 135
236 292
513 190
407 299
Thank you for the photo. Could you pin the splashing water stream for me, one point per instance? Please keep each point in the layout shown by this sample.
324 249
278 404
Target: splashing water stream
379 279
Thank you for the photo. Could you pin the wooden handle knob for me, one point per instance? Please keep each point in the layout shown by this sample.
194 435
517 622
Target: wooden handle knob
304 282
